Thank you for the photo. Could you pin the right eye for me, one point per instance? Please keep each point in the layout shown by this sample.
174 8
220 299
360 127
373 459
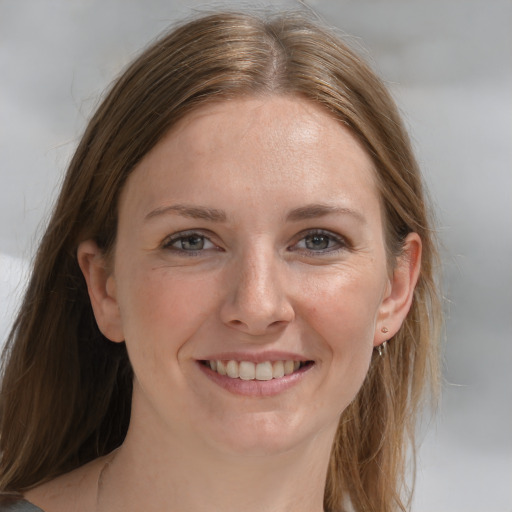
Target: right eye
188 242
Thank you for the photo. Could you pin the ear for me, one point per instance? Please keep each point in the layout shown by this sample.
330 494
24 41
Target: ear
399 294
101 286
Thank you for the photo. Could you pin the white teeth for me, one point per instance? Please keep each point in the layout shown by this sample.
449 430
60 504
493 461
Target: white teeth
278 370
221 368
264 371
288 367
247 370
232 369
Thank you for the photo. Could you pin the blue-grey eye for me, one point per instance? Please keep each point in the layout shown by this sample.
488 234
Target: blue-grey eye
318 242
191 243
188 242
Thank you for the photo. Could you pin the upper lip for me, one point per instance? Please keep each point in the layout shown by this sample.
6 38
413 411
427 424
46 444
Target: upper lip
255 357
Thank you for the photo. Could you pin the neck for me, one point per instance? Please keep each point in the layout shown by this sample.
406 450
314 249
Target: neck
178 476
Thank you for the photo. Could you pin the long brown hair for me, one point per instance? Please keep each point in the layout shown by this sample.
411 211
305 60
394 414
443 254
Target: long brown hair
66 390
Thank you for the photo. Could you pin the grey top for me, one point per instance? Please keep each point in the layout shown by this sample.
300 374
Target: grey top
20 505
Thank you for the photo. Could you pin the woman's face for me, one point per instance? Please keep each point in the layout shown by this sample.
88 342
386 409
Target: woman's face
250 241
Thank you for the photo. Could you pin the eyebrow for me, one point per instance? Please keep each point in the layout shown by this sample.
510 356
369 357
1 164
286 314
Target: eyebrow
313 211
310 211
192 212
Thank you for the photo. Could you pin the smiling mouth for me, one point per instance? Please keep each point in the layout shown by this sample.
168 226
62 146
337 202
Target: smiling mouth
247 370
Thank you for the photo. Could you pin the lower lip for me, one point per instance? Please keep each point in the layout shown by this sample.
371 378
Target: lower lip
256 388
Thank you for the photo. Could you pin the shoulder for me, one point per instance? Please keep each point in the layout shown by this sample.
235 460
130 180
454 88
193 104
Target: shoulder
17 504
75 491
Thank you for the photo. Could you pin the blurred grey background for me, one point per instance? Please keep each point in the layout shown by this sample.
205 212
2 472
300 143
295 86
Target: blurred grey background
449 66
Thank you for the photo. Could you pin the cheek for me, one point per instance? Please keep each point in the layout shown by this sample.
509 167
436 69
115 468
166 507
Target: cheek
161 310
343 316
350 291
343 308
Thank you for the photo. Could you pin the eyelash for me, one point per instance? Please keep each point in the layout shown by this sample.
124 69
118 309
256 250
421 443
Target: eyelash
182 236
340 243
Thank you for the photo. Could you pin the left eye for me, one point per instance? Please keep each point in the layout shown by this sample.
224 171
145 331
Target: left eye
320 242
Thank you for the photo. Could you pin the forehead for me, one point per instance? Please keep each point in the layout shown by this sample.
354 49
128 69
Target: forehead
256 147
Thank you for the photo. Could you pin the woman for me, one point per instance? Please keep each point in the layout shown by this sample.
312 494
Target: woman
234 304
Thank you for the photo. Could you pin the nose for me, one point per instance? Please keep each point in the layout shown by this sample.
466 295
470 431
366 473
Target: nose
257 302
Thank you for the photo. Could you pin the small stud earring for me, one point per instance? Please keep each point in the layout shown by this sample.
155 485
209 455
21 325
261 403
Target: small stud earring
384 330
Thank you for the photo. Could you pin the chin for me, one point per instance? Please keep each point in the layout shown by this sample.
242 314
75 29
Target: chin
267 433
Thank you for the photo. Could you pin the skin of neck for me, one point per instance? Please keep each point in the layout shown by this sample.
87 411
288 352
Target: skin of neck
153 471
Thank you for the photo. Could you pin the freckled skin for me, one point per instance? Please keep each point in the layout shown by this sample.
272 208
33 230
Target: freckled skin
251 288
253 227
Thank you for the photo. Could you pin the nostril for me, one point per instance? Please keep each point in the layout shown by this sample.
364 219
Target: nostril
278 323
272 326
